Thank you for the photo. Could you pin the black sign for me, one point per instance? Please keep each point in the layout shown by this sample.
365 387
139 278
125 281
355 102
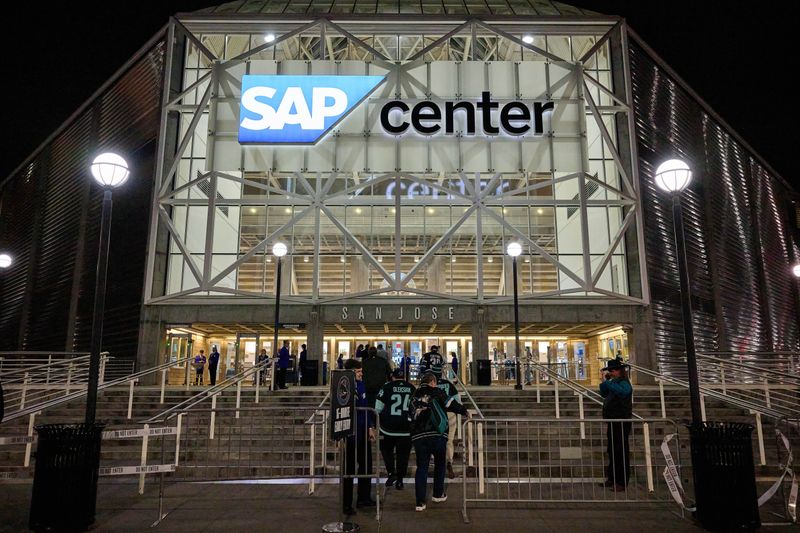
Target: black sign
343 404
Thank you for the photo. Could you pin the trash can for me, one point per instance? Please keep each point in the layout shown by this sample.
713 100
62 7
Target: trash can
724 476
65 480
310 375
483 373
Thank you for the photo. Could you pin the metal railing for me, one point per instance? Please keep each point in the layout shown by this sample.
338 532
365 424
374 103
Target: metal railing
529 460
786 363
14 361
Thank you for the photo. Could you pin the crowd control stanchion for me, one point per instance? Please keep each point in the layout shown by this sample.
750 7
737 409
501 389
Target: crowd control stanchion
341 525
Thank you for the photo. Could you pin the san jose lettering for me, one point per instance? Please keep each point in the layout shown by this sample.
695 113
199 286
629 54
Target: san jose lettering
416 313
426 116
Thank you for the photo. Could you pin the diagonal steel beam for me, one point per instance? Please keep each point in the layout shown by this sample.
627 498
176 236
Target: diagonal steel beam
189 89
257 50
444 38
607 91
629 218
537 186
200 177
519 41
181 246
189 35
360 186
600 42
261 186
387 62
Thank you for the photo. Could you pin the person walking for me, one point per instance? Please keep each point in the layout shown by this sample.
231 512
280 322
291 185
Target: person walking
454 364
358 448
283 365
405 366
302 362
432 361
383 354
199 366
393 405
262 362
213 362
429 431
450 393
617 393
376 372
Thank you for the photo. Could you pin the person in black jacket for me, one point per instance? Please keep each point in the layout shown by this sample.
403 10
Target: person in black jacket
393 404
429 431
617 393
376 372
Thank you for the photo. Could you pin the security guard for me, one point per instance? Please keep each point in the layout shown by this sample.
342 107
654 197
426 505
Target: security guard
393 404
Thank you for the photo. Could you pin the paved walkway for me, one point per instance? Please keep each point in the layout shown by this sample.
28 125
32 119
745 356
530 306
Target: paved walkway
260 507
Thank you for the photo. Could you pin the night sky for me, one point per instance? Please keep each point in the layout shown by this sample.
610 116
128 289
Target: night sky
738 56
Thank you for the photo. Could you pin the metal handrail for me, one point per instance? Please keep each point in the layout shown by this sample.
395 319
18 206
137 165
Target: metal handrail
447 367
78 394
756 370
189 403
737 402
43 366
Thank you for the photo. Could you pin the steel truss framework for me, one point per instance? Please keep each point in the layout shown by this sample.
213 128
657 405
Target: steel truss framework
314 200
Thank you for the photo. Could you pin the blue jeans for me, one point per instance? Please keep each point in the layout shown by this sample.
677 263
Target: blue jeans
424 448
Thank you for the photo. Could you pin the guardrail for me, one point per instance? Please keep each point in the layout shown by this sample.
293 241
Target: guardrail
530 460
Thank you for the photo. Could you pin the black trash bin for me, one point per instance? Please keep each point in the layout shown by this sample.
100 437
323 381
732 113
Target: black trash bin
484 371
65 480
724 476
310 375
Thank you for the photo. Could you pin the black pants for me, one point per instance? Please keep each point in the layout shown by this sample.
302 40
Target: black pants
357 449
212 374
398 466
198 377
618 470
281 378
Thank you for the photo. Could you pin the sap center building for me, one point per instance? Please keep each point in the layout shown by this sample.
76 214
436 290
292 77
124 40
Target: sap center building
396 149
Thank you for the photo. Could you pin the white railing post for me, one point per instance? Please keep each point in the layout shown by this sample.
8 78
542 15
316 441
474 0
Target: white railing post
767 397
29 445
558 408
144 458
661 394
213 417
49 363
178 438
481 480
722 377
69 379
258 383
187 373
312 427
238 396
24 391
580 414
163 384
470 447
703 407
102 377
324 460
648 460
458 428
538 392
130 398
760 432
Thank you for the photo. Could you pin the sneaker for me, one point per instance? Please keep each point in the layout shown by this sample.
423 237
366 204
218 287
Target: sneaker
420 507
391 480
450 473
442 498
399 484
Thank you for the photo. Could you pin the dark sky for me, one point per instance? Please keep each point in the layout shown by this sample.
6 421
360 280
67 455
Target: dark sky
737 55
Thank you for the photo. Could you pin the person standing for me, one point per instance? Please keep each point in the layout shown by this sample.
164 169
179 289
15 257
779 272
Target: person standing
393 404
213 362
429 431
405 366
262 362
283 364
617 393
340 362
302 362
454 364
199 366
358 448
360 352
450 393
376 372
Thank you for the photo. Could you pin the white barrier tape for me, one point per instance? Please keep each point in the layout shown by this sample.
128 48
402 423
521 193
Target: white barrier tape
134 433
672 484
673 470
787 470
17 440
135 470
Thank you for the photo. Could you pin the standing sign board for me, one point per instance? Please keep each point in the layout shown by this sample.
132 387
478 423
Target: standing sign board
343 404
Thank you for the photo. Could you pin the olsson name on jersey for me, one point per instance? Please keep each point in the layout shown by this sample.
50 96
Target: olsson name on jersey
279 109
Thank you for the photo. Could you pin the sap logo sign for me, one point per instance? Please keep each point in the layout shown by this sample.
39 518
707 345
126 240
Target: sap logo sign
298 109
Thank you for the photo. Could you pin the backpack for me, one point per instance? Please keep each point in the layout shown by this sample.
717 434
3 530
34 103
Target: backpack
426 415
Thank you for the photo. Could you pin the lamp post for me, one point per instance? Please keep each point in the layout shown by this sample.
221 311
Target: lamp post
673 177
6 260
279 249
514 250
110 171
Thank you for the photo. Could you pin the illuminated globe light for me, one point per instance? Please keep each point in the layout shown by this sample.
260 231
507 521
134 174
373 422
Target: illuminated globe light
795 270
268 38
514 249
279 249
673 176
527 39
110 170
5 260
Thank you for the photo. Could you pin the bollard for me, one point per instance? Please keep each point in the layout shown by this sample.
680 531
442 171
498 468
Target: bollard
144 458
130 399
163 383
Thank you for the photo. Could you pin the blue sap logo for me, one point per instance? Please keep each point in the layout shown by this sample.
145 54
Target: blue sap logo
298 109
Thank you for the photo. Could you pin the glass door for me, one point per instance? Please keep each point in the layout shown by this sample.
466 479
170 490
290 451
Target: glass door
247 351
177 347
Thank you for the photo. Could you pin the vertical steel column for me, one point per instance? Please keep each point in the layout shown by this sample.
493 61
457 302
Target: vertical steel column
99 309
686 308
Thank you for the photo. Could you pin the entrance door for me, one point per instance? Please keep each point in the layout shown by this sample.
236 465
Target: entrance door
247 351
177 347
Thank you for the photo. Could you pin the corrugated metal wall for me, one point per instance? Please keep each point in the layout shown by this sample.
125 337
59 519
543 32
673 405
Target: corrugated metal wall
736 216
48 293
